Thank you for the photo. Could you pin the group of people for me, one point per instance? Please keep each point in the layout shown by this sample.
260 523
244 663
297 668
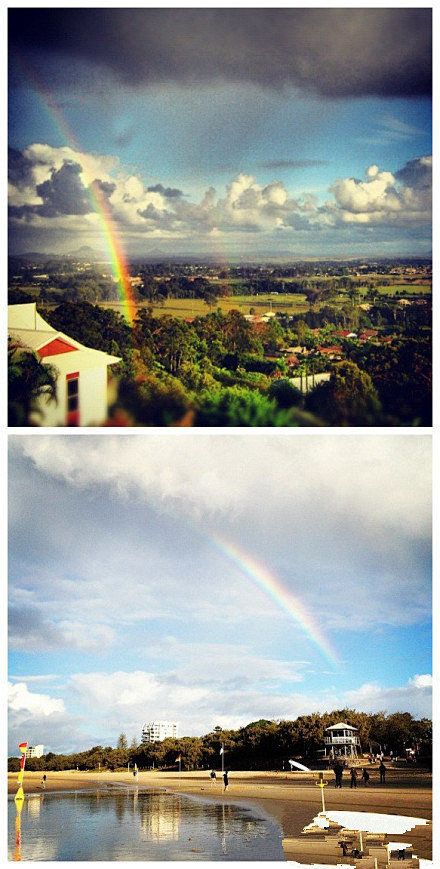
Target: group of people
225 778
338 770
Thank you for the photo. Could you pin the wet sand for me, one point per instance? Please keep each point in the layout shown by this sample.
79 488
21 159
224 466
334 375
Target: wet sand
293 799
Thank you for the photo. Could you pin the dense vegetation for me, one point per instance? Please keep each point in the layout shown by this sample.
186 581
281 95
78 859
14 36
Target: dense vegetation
260 745
224 369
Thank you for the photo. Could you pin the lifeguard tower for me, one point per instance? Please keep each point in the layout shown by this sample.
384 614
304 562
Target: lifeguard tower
341 740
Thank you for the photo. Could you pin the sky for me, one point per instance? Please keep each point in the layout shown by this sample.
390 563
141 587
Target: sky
213 580
221 132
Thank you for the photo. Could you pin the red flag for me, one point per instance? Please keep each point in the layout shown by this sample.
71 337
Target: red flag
23 746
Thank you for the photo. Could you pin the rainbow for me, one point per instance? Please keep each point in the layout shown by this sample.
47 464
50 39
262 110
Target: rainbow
272 586
99 202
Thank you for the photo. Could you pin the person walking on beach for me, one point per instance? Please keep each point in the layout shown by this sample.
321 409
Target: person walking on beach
365 776
338 770
225 780
213 777
382 771
43 782
354 775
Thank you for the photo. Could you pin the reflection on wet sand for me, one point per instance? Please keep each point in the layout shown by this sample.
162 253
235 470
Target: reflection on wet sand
120 824
362 840
160 817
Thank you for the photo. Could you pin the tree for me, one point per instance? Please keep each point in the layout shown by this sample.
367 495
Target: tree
122 742
348 398
285 393
93 326
153 400
31 383
234 406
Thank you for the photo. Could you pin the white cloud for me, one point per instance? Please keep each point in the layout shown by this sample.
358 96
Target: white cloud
381 198
22 700
248 206
254 476
414 697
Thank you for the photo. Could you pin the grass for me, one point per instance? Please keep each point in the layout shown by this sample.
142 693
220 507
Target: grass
405 289
190 308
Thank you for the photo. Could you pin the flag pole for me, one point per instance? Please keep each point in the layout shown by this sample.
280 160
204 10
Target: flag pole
19 800
19 796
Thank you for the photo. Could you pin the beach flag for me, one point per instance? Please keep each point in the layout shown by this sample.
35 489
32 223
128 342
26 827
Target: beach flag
179 757
23 746
222 750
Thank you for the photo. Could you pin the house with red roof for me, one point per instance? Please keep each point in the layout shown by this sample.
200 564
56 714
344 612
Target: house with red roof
82 372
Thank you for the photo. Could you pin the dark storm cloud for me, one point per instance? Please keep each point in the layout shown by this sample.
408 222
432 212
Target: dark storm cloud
64 192
292 164
168 192
333 52
106 187
417 173
19 168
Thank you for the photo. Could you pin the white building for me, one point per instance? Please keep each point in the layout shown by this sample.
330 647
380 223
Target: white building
341 740
158 730
35 751
82 373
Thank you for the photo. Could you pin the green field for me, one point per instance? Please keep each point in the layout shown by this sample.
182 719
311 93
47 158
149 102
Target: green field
287 303
406 290
189 308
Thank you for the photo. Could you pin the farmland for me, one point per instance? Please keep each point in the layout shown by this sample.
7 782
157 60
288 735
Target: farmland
190 308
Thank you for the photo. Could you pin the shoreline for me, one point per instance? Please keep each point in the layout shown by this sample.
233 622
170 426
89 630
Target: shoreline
291 799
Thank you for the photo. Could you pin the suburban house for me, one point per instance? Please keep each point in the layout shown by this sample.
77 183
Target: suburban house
341 740
82 373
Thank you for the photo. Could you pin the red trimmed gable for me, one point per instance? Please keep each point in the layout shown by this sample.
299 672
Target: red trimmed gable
55 348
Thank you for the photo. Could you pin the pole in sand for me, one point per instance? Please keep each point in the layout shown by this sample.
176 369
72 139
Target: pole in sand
321 784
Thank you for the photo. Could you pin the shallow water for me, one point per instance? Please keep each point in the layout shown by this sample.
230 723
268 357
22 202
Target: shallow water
138 825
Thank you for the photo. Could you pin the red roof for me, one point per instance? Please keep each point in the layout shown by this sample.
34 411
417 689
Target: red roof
55 348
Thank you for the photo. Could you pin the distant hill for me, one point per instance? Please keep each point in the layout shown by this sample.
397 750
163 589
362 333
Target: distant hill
85 252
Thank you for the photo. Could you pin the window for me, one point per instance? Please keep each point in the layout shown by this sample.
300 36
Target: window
72 399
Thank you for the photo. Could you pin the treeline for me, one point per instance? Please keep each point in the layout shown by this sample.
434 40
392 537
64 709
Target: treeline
260 745
221 370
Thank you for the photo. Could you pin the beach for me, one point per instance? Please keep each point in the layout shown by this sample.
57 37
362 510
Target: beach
292 799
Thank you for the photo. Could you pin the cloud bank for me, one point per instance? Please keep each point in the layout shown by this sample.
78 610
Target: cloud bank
332 52
53 190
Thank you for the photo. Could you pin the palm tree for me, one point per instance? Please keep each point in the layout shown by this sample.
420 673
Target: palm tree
29 380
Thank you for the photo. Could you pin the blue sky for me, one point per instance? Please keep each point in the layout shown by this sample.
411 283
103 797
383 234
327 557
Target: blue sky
124 610
222 131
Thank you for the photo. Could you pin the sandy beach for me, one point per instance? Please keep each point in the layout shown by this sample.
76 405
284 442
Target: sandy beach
293 799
